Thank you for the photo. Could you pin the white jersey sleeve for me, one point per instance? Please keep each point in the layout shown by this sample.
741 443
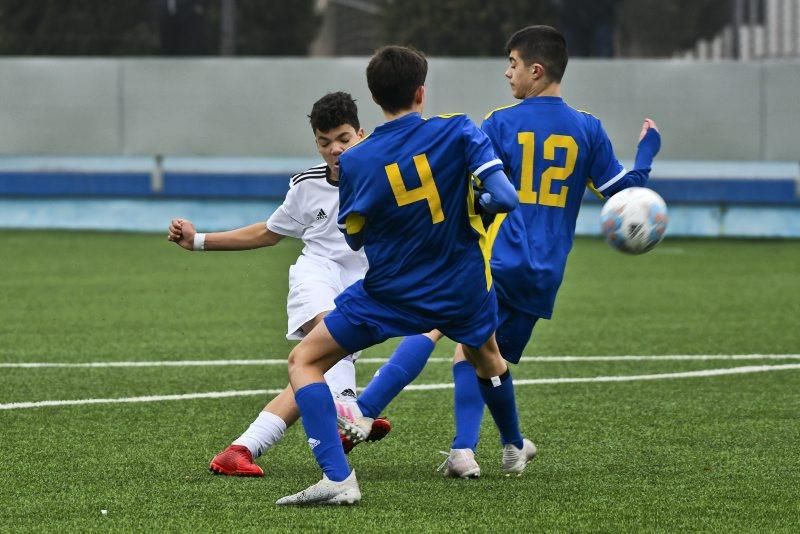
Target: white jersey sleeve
288 219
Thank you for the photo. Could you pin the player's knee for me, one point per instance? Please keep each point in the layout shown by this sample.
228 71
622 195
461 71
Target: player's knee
486 359
297 358
485 353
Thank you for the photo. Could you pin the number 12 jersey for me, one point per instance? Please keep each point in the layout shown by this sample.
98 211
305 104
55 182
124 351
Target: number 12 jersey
551 153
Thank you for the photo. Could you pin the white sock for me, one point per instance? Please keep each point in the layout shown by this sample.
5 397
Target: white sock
262 434
341 379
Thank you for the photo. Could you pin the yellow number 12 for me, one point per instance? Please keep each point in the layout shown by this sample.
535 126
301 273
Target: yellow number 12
527 195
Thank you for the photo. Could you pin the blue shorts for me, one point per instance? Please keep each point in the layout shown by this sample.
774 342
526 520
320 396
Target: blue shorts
513 331
359 321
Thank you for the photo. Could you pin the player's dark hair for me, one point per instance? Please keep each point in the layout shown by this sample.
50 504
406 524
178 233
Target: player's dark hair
334 110
544 45
394 74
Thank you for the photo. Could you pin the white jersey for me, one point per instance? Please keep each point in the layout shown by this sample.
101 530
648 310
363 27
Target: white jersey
309 212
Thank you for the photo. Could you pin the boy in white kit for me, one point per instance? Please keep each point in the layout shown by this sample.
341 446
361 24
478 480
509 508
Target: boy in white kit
324 269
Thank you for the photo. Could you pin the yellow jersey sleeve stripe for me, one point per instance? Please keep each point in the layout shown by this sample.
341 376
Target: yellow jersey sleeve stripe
354 223
593 189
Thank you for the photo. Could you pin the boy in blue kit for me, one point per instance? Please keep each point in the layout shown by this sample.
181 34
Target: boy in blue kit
551 152
406 197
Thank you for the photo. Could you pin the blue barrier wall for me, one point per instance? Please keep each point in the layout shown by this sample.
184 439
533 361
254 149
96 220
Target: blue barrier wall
752 199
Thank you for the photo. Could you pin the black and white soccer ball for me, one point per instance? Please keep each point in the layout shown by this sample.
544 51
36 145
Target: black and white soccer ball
634 220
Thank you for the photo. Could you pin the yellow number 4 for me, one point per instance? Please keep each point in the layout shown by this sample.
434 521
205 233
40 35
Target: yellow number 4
426 191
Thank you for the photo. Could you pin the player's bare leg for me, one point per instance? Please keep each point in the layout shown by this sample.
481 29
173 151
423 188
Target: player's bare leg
308 362
238 459
497 390
283 406
486 359
313 356
268 428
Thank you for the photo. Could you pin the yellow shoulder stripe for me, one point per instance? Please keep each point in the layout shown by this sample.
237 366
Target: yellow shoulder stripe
449 115
360 141
501 108
585 112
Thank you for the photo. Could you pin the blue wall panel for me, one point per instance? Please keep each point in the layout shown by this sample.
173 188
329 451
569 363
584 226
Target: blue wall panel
74 184
267 185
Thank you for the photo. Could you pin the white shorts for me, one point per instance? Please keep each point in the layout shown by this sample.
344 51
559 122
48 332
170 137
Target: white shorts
313 284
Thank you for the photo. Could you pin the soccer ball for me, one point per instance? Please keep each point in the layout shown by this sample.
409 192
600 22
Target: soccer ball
634 220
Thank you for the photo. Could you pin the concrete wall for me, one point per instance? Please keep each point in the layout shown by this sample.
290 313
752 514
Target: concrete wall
258 107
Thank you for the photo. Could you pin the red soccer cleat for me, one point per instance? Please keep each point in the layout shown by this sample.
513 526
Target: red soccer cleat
380 428
235 461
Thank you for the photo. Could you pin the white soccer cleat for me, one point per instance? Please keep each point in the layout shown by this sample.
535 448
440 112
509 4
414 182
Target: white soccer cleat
460 463
515 460
326 491
352 423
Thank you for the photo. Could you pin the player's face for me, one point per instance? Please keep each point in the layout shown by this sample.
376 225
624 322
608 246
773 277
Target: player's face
332 143
519 76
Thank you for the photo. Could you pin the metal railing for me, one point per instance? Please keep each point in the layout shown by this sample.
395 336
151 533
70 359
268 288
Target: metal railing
759 29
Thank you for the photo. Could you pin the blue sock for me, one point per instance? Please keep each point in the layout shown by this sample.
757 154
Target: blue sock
402 368
467 406
319 419
498 393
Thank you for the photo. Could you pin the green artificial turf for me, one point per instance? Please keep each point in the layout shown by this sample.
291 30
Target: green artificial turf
696 453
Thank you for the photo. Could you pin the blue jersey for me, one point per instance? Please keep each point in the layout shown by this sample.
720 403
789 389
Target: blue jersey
551 152
410 182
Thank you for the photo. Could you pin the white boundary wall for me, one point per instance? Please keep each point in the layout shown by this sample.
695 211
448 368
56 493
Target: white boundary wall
258 107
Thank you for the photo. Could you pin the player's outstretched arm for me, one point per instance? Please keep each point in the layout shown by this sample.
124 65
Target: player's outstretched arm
649 145
499 196
183 232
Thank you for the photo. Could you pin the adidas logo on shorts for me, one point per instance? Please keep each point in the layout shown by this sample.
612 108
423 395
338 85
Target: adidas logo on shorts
321 215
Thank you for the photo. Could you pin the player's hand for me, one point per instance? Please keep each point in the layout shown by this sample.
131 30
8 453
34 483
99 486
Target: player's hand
182 231
648 123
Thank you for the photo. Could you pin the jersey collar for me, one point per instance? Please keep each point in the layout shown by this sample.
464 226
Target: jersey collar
544 100
402 122
328 177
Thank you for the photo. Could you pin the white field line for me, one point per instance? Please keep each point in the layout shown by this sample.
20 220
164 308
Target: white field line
415 387
282 361
147 398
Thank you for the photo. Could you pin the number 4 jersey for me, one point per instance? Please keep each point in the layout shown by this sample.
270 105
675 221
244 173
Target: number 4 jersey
410 181
551 153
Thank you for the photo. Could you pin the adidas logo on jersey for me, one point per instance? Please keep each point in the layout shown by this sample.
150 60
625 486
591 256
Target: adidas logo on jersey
321 215
313 443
